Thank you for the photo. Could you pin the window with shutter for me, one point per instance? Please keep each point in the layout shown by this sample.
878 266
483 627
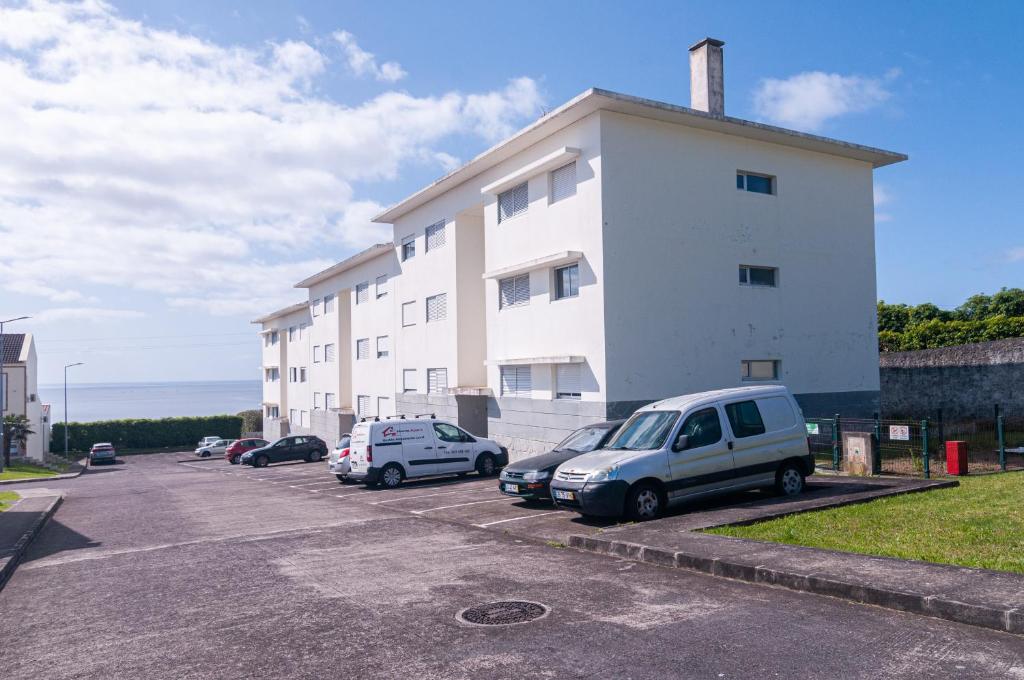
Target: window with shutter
382 346
409 380
363 405
563 182
408 248
316 401
516 381
383 406
329 352
435 236
514 291
317 354
382 286
437 380
328 304
330 400
437 307
305 418
302 374
293 416
754 369
291 334
567 381
362 293
316 307
363 348
409 313
513 202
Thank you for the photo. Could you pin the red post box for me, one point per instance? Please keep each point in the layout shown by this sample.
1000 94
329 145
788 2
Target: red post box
956 458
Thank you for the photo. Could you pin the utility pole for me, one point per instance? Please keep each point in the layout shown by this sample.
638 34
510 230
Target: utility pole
3 390
66 408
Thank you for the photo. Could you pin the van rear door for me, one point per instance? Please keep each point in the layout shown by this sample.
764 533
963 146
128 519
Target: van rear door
357 448
765 430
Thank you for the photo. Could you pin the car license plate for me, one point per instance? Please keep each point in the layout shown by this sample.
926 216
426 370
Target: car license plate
512 488
564 495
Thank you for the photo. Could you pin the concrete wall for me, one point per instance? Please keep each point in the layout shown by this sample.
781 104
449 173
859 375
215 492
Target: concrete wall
676 230
528 427
965 381
467 411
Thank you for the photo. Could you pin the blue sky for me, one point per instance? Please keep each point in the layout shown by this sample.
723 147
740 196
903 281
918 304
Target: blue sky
176 166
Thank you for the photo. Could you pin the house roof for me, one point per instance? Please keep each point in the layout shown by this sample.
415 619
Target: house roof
360 257
13 343
596 99
298 306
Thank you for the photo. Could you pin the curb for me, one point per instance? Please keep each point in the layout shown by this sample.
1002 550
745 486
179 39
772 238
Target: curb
65 475
11 563
1006 620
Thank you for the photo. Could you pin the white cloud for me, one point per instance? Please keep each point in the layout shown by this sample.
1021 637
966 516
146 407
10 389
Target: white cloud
882 197
364 63
150 160
61 314
807 101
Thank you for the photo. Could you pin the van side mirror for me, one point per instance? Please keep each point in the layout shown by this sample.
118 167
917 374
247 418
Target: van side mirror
682 442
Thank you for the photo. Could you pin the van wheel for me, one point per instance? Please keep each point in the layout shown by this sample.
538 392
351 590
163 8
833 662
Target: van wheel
391 476
789 480
486 465
262 461
644 502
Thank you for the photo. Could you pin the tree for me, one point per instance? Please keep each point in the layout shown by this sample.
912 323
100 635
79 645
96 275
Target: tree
894 318
975 308
1008 302
927 312
16 428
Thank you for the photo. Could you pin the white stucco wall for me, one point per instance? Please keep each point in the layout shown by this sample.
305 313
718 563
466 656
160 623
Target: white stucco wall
676 229
275 355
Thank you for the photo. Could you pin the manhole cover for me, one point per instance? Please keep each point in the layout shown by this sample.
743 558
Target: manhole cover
503 613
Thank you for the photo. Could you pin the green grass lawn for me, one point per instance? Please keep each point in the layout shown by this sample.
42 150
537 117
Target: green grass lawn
23 471
978 524
7 499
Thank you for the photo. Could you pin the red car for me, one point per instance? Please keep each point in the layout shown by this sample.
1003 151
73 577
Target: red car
234 452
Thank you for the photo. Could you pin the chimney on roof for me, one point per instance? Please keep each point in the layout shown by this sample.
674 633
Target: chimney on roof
707 77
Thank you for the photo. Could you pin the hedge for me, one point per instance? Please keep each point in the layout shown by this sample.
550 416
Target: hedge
145 433
936 333
252 420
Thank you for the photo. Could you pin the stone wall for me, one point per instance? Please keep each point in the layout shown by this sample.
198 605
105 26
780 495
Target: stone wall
528 427
467 411
965 381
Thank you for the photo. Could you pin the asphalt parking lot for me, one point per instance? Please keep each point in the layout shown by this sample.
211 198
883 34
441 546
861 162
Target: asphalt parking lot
159 569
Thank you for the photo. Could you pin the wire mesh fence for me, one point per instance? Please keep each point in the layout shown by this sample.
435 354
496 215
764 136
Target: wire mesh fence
918 447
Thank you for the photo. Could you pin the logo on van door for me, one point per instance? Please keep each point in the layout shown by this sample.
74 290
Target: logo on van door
402 434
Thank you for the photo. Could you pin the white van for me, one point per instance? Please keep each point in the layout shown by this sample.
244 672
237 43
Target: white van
389 451
687 447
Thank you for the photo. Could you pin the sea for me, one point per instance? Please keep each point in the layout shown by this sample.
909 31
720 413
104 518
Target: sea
114 401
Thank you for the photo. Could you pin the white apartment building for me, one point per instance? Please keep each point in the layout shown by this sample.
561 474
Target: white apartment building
19 394
618 251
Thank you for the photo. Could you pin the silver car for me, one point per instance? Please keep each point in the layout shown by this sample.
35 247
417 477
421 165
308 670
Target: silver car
215 449
338 462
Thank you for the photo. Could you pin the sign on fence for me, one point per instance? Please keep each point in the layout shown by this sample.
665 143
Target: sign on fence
899 432
812 428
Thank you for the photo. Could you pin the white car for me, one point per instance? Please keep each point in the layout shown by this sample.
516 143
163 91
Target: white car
206 441
687 447
389 451
214 448
338 461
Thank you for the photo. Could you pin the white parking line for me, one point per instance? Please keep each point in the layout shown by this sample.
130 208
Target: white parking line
459 505
429 495
335 482
516 519
305 487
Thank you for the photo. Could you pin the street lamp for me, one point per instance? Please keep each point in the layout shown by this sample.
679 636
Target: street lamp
3 385
66 367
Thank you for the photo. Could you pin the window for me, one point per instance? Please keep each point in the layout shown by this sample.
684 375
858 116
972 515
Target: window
316 401
331 400
273 337
437 307
645 430
273 411
435 236
329 352
759 369
302 374
317 354
382 346
409 380
409 313
293 416
744 418
514 291
293 374
567 281
362 293
567 381
316 307
272 374
292 333
363 348
266 340
305 418
515 381
328 303
703 428
437 380
383 406
757 276
759 184
362 405
563 182
513 202
302 329
450 433
408 248
382 286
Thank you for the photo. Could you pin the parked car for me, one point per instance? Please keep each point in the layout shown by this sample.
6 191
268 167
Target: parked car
293 447
389 451
234 452
215 448
530 478
206 441
338 463
102 452
688 447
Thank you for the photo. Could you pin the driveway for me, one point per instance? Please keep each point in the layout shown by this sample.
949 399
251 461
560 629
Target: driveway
157 569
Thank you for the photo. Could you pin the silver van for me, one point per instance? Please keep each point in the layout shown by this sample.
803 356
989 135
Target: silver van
687 447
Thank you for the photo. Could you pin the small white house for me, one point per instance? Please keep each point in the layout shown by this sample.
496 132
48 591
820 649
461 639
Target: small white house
19 393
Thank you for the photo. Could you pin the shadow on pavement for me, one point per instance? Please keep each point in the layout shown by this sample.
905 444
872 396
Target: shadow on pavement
57 538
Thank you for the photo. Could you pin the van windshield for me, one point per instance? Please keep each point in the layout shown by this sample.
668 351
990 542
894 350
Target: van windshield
645 431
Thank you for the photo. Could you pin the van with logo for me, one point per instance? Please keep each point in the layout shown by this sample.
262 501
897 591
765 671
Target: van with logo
389 451
689 447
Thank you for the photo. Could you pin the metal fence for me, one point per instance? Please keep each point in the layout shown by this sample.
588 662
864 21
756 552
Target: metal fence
918 447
